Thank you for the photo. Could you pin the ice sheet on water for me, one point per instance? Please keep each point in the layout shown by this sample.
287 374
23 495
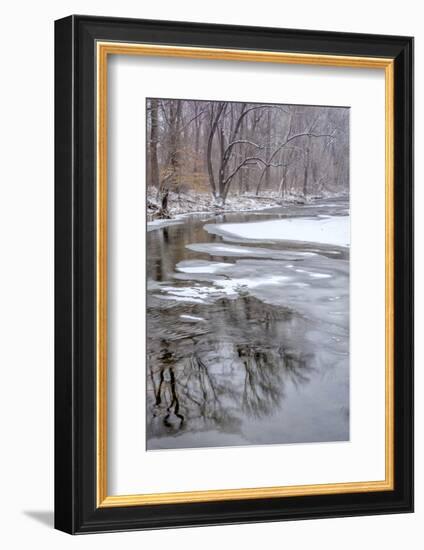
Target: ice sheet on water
308 285
219 288
227 250
333 230
160 224
191 318
201 266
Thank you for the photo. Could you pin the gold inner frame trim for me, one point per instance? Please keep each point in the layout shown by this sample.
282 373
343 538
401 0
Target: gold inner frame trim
103 50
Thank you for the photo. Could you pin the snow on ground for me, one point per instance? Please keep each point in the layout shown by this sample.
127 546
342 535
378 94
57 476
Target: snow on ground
334 230
190 203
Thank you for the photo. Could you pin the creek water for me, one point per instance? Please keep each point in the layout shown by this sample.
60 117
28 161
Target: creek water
247 339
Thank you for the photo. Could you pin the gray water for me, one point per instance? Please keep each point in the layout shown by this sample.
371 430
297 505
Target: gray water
248 341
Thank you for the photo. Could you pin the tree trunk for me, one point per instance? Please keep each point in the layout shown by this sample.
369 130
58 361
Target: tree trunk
267 169
196 148
214 123
305 181
221 185
306 169
239 159
175 143
153 145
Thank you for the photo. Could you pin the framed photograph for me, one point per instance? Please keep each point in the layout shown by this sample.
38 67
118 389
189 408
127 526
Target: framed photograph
234 268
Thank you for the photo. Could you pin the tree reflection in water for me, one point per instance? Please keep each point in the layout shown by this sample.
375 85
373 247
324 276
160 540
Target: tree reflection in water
217 373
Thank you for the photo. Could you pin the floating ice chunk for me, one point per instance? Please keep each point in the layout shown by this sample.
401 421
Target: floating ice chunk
180 298
314 274
215 249
311 205
189 292
191 318
160 224
220 288
198 266
320 275
230 286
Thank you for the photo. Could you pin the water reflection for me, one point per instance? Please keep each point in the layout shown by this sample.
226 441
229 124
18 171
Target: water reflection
215 374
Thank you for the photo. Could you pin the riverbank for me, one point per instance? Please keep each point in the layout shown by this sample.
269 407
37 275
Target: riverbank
197 203
193 203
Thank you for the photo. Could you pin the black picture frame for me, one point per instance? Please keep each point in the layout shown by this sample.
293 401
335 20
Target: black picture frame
76 509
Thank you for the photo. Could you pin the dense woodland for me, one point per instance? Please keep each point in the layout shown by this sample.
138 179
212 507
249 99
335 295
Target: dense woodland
221 149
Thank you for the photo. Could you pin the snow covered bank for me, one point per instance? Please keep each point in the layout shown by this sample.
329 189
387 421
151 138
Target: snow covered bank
334 230
196 203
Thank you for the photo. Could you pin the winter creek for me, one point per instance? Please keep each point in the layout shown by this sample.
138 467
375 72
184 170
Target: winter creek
248 339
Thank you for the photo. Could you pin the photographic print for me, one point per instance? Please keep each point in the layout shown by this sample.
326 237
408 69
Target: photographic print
204 281
247 265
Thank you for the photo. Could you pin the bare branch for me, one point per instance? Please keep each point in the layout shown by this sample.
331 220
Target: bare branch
250 161
255 108
192 120
231 145
291 138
